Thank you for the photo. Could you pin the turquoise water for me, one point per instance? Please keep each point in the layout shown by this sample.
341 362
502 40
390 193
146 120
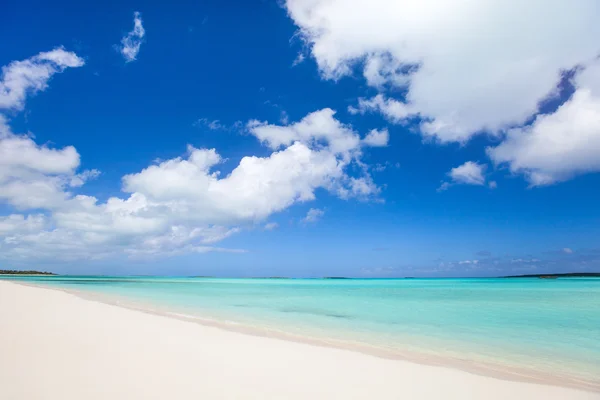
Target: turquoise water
540 327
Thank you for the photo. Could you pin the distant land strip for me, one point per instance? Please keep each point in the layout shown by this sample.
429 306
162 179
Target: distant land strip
554 276
15 272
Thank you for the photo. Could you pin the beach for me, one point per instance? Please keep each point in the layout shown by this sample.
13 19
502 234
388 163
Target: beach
56 345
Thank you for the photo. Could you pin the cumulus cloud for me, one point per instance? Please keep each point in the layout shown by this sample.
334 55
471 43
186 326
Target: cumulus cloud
319 127
313 215
33 176
332 142
361 188
179 205
393 110
175 206
560 145
377 138
20 78
16 223
461 69
469 173
131 43
255 189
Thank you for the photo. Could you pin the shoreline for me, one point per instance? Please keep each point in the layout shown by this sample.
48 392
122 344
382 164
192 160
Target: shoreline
489 370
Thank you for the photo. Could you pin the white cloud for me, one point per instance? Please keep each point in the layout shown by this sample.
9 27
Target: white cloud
256 188
271 226
284 118
467 66
332 144
175 206
469 173
361 188
560 145
20 78
313 215
316 127
179 205
393 110
567 250
81 178
33 176
444 186
21 152
298 60
17 223
217 125
213 125
380 167
524 260
377 138
493 185
131 43
379 271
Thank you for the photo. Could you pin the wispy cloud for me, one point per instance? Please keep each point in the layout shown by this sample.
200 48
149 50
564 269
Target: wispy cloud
379 271
271 226
131 43
524 260
284 118
380 167
213 125
20 78
217 125
79 179
299 59
313 215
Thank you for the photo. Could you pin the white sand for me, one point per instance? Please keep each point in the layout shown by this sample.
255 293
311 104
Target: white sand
55 345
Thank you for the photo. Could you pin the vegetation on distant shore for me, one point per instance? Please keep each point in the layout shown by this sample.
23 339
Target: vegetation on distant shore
16 272
554 276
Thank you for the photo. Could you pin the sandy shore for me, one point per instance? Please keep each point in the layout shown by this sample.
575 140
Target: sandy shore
54 345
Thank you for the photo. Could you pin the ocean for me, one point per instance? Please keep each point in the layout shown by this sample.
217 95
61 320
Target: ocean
533 328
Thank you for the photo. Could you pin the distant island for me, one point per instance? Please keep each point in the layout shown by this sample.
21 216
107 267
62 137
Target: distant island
15 272
555 276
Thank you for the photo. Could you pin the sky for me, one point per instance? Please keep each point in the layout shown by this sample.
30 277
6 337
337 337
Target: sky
303 138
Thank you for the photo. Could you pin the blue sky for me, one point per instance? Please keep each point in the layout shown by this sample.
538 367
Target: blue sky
431 143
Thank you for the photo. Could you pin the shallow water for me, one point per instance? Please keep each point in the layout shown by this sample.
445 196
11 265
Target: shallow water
547 327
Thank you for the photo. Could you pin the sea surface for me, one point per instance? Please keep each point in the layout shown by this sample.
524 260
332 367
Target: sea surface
547 328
